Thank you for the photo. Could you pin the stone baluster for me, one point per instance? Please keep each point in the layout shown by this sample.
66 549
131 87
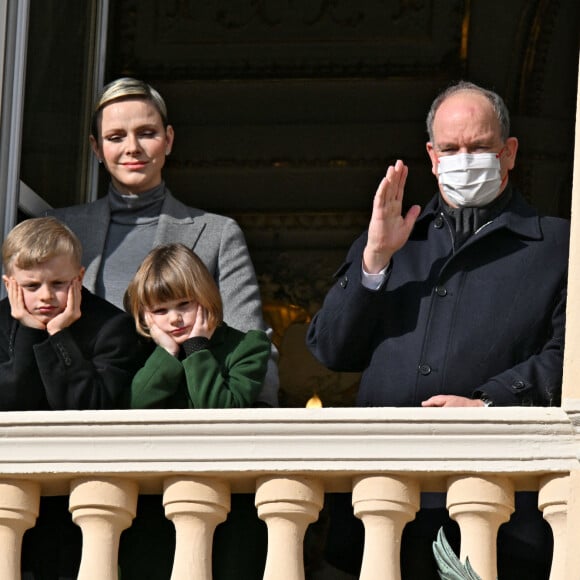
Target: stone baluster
384 503
573 527
480 504
195 506
102 508
19 503
287 505
553 501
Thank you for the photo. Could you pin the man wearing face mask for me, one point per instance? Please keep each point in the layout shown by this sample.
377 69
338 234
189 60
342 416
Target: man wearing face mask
461 304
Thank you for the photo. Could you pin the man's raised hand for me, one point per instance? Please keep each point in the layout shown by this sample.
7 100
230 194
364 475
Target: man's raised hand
388 229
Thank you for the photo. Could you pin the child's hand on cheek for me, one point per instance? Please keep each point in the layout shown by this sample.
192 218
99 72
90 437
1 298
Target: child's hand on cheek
201 326
161 338
17 306
71 313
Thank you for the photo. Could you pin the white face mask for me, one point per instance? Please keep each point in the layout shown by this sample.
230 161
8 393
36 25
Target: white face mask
470 179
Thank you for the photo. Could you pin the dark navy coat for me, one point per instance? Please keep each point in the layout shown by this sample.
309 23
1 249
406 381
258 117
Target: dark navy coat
487 318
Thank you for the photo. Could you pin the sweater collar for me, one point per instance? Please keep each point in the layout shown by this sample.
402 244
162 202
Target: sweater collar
131 209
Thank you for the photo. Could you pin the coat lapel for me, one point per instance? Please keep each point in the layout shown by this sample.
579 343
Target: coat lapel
178 223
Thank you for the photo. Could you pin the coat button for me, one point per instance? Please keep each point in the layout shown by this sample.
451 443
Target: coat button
441 291
518 385
424 369
438 223
344 282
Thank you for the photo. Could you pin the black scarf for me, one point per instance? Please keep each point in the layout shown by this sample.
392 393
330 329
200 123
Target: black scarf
467 220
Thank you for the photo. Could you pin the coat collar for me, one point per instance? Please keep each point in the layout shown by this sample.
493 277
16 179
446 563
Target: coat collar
518 217
177 223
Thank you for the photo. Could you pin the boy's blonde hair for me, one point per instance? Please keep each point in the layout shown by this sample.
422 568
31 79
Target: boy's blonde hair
37 240
171 272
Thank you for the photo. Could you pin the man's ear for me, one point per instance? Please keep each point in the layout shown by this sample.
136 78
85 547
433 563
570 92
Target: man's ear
433 157
81 274
511 150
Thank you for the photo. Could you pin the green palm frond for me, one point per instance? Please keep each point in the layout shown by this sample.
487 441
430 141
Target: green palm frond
450 567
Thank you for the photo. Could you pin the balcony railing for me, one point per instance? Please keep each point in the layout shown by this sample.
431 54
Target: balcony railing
290 458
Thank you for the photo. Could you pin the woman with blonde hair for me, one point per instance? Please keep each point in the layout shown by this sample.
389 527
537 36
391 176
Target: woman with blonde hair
132 137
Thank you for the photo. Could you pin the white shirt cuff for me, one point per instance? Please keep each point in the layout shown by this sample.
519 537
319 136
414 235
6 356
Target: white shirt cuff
374 281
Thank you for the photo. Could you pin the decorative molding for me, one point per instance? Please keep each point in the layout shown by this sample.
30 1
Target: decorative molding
289 164
303 221
535 56
296 253
275 38
300 280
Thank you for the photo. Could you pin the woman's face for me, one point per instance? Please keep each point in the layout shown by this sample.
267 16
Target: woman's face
133 144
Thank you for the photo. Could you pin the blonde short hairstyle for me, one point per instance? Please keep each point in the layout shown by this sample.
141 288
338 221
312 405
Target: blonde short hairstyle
171 272
37 240
125 89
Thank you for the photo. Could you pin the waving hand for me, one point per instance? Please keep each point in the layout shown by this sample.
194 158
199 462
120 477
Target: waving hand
388 229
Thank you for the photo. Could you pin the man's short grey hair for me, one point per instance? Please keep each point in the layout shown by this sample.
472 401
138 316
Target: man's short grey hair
496 101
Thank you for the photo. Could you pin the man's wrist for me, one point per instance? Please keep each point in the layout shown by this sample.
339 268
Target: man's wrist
483 397
375 266
487 402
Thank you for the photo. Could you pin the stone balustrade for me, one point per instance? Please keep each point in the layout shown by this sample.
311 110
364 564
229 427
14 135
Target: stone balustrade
289 458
